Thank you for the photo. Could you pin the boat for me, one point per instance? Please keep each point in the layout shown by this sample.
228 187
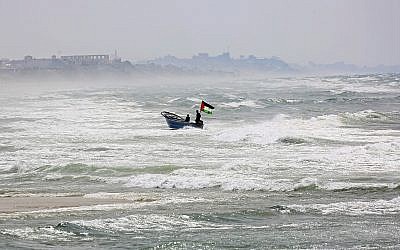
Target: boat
175 121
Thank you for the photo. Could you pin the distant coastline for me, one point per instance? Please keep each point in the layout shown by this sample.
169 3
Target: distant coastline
202 64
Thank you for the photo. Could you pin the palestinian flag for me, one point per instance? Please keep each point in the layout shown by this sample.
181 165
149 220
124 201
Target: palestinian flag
206 108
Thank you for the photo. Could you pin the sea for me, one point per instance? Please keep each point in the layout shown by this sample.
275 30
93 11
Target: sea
282 163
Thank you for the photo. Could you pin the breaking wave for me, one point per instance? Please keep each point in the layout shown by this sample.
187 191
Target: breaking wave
246 103
370 116
291 140
79 172
352 208
7 148
45 233
284 129
281 101
198 179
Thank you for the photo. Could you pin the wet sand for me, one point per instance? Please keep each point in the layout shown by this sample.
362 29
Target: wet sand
25 204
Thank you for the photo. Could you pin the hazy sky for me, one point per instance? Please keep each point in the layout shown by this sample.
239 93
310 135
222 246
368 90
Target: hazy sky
360 32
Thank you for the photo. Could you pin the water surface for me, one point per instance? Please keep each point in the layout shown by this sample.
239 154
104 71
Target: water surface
309 162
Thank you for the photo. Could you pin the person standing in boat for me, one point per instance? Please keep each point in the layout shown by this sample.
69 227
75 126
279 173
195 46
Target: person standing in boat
198 116
187 118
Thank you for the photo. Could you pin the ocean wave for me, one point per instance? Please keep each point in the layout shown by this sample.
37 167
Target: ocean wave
370 116
282 128
18 119
352 208
201 179
362 83
364 87
75 210
7 129
281 101
47 233
72 168
8 148
291 140
72 229
173 100
309 184
194 99
354 187
238 216
74 178
344 99
371 157
97 149
79 172
245 103
151 222
143 224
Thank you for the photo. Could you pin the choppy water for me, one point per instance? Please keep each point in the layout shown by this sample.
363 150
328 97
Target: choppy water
308 162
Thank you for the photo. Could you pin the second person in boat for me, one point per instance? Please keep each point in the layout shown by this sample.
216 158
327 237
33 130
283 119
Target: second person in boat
198 116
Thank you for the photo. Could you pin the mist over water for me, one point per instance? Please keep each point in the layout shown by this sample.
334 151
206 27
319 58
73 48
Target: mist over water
302 162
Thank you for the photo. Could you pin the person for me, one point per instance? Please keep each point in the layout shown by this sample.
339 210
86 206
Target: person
187 118
198 116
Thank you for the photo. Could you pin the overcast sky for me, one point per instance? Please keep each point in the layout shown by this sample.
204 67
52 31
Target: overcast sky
361 32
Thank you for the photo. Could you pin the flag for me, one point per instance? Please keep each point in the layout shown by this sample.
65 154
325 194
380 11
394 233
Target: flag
206 108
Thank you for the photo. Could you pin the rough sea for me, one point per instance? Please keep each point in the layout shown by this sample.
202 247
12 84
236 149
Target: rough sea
282 163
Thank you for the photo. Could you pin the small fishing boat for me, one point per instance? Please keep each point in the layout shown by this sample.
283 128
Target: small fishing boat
175 121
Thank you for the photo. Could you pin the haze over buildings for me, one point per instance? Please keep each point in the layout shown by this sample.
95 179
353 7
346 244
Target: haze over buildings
362 32
202 64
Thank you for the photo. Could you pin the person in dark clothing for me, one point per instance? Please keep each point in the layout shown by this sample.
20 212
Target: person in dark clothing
187 118
198 116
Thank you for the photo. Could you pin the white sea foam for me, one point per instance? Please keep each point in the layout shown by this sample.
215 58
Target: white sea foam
370 158
370 116
194 99
378 207
48 233
327 127
140 223
173 100
199 179
335 186
245 103
282 126
154 222
339 84
143 222
360 87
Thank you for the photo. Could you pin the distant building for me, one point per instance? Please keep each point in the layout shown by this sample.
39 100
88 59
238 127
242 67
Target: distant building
224 56
201 56
225 63
31 63
252 57
28 58
54 63
4 63
86 59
